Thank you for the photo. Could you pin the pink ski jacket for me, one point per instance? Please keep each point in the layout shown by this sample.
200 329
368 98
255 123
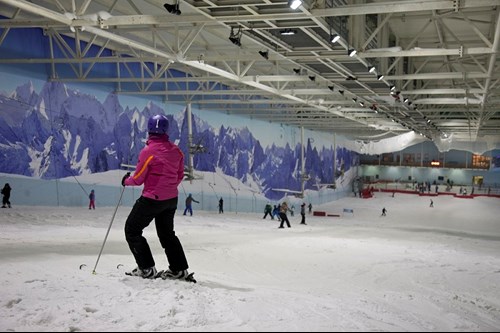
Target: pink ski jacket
160 168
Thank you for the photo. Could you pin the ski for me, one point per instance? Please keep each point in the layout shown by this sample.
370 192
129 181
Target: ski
189 278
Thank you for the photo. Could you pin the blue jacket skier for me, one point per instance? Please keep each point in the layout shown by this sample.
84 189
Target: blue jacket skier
189 204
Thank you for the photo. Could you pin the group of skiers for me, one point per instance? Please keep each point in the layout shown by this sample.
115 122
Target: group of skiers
280 212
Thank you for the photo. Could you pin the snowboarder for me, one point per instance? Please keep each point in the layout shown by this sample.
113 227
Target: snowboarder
189 204
92 200
303 213
268 210
161 169
284 218
221 206
6 196
384 211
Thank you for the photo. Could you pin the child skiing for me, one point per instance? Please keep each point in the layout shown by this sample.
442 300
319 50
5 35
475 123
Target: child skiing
92 200
6 196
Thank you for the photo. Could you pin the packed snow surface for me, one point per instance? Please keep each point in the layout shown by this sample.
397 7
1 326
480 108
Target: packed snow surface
416 269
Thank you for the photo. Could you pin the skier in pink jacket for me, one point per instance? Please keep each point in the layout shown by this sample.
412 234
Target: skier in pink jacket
161 169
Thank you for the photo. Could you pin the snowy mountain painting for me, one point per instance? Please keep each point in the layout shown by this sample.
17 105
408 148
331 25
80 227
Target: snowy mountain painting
59 132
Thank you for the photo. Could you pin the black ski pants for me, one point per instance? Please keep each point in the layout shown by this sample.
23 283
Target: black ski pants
142 214
284 219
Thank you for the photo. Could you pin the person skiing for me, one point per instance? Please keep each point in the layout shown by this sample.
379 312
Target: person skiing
92 200
310 208
284 218
221 206
268 210
384 211
189 204
432 203
161 169
276 212
6 196
303 213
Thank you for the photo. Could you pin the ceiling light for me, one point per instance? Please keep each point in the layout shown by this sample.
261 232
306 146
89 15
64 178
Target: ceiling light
371 69
312 77
380 77
172 9
288 32
264 54
393 87
294 4
296 70
352 52
406 99
355 99
331 87
341 92
362 104
335 38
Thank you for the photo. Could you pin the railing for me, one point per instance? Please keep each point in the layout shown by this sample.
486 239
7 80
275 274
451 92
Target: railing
425 164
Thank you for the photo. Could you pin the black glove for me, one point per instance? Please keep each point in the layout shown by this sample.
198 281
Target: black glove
125 177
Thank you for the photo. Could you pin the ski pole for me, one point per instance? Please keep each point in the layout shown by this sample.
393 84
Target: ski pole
109 228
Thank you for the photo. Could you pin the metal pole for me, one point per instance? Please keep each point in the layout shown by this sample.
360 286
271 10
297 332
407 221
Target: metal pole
109 228
190 143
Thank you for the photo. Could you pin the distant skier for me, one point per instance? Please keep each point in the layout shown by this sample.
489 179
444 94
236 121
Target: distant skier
384 211
276 213
432 204
283 210
189 204
6 196
92 200
292 211
221 206
310 208
303 213
161 169
268 210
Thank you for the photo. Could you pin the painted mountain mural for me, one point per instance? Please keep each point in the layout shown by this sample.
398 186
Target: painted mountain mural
60 132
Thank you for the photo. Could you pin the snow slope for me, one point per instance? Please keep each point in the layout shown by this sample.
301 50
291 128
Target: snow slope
418 269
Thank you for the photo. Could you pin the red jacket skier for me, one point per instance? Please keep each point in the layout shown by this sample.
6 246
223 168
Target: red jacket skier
161 169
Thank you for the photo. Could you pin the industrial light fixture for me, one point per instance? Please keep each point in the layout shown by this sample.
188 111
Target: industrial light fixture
341 92
362 104
173 9
264 54
393 87
380 77
235 36
352 52
296 70
288 32
294 4
312 77
371 69
355 99
335 38
331 88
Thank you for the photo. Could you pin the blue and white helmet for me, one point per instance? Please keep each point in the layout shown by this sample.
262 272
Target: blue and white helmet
158 124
